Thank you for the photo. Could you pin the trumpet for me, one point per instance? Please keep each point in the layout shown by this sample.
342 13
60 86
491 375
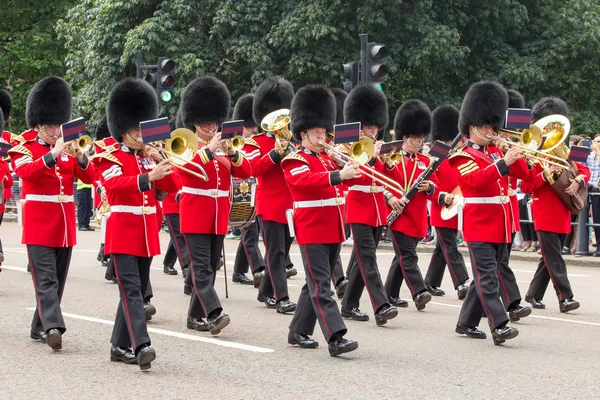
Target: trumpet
278 122
391 159
236 143
83 143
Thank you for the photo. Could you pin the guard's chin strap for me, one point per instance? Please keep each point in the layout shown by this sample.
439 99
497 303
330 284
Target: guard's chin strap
486 139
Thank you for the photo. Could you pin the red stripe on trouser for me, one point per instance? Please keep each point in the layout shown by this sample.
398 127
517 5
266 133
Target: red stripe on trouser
548 268
262 224
445 251
175 242
487 310
316 290
124 299
39 308
412 291
194 276
362 271
504 287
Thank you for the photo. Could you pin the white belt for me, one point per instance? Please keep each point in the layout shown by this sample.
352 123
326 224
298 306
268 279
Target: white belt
205 192
367 189
137 210
320 203
56 198
486 200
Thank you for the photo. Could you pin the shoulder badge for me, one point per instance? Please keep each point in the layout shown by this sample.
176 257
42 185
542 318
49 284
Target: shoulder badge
107 155
460 153
294 156
252 142
20 149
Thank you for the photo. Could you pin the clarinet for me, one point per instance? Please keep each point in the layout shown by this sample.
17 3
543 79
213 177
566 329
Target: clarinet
414 188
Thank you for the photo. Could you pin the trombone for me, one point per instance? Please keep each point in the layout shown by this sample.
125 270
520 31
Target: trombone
361 152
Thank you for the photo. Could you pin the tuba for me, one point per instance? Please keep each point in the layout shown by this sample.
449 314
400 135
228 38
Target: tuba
278 122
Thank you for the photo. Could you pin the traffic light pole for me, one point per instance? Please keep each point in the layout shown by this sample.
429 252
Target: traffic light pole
364 40
138 64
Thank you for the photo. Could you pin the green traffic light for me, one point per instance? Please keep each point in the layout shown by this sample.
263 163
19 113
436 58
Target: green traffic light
166 96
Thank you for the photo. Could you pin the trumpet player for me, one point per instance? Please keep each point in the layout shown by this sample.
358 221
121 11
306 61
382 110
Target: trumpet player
47 167
204 204
366 211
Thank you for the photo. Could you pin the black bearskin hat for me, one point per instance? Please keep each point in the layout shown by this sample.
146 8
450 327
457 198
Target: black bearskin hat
485 103
130 102
178 121
204 99
367 105
272 94
49 102
313 107
413 118
515 99
5 103
444 123
340 97
102 131
1 119
548 106
243 110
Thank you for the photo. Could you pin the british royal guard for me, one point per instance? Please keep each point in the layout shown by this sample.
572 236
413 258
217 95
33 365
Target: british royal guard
314 178
102 142
366 210
205 205
6 106
444 127
552 218
483 182
130 179
411 124
47 166
6 182
265 152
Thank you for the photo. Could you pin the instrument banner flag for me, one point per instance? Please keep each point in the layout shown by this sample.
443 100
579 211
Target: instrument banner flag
439 149
579 154
391 147
73 129
232 129
346 133
155 130
518 118
4 147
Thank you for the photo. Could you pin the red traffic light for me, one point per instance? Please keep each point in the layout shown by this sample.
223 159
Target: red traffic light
167 65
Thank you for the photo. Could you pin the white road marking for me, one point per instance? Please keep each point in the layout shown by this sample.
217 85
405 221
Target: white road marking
13 268
218 342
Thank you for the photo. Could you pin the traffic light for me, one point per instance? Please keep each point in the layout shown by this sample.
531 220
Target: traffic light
165 79
349 75
376 69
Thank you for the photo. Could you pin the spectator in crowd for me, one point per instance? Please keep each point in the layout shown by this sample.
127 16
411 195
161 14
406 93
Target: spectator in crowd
593 163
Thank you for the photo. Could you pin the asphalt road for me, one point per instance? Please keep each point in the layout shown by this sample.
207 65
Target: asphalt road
417 355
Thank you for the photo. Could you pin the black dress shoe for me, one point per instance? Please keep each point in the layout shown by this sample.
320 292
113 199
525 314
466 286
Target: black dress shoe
398 302
269 301
354 314
54 339
500 335
340 288
434 291
422 299
470 331
385 313
461 291
568 305
145 356
518 313
303 341
39 335
187 289
257 278
197 324
596 254
535 303
111 278
291 271
169 270
285 306
241 278
119 354
341 346
149 310
216 324
104 263
89 228
220 264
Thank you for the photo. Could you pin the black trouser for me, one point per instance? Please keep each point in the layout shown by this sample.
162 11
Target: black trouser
49 270
110 271
315 301
509 289
365 272
101 254
446 253
405 248
277 241
248 253
569 238
595 200
1 248
204 250
337 275
527 230
484 291
84 207
133 277
177 247
551 266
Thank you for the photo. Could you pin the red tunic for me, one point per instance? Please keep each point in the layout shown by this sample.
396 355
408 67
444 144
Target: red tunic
99 147
205 205
549 213
365 203
272 195
48 222
170 204
124 175
514 204
447 178
315 178
7 182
